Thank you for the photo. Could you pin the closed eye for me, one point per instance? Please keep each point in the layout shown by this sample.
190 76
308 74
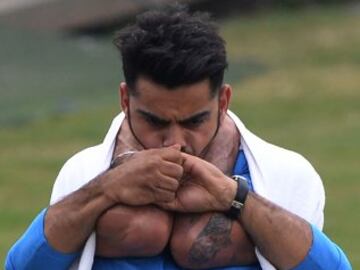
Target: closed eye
195 122
154 121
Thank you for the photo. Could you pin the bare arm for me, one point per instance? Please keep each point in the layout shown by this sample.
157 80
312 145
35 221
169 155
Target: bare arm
141 181
135 231
132 230
207 240
202 241
69 222
282 237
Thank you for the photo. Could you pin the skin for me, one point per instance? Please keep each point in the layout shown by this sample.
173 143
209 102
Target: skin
112 240
186 115
282 237
161 171
208 240
154 176
222 151
135 231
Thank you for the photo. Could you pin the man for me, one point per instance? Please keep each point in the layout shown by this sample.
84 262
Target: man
159 191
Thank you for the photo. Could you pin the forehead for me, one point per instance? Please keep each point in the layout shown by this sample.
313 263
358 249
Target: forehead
179 101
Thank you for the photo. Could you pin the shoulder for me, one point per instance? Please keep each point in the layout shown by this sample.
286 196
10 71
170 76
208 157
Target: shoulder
283 176
79 170
288 162
86 164
299 187
286 178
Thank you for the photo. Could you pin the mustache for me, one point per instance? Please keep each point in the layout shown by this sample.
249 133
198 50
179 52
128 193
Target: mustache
188 150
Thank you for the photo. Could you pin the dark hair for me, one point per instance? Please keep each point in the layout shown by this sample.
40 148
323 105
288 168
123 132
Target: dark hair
173 48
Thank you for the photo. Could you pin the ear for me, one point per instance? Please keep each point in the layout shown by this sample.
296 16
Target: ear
124 97
224 99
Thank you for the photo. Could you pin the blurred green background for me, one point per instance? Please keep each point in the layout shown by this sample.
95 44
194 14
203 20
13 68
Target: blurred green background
296 81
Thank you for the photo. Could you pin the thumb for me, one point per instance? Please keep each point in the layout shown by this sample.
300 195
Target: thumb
175 146
170 206
188 162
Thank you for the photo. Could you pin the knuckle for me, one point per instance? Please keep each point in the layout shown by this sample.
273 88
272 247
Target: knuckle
169 196
156 159
176 185
180 170
159 196
158 175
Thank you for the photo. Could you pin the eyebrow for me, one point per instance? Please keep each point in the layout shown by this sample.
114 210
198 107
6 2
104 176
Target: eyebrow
154 117
197 116
165 122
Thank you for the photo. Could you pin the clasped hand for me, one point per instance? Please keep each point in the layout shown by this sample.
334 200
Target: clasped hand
172 180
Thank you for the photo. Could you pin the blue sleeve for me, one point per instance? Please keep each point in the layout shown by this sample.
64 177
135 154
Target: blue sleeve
324 254
32 251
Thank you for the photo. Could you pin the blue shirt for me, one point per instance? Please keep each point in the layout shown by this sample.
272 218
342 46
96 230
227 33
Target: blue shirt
32 251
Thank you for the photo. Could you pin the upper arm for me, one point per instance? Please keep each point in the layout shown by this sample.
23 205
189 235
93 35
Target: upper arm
324 254
210 240
294 184
132 231
78 171
32 251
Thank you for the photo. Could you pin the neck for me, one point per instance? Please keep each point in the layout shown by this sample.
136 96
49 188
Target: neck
224 148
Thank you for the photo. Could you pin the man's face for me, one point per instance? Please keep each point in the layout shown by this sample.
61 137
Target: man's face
187 115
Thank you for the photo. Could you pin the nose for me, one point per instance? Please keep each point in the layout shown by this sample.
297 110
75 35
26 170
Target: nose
174 135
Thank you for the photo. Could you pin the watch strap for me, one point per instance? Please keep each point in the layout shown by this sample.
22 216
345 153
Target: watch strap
240 197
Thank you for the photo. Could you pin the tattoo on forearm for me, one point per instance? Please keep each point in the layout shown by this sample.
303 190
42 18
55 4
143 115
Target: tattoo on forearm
215 236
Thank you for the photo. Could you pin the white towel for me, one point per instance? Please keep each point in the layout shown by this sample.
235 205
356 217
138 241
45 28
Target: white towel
280 175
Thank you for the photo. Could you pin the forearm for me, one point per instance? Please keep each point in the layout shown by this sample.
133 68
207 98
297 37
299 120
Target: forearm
285 239
69 222
202 241
139 231
146 178
282 237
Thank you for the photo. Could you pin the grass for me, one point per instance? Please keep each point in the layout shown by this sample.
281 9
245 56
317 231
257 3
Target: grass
295 80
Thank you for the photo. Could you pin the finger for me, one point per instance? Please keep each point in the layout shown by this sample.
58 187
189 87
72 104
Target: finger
163 196
196 166
171 205
166 205
189 162
171 169
167 183
174 205
172 153
176 146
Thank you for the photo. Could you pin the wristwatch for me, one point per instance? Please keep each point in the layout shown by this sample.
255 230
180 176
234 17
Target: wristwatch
240 197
